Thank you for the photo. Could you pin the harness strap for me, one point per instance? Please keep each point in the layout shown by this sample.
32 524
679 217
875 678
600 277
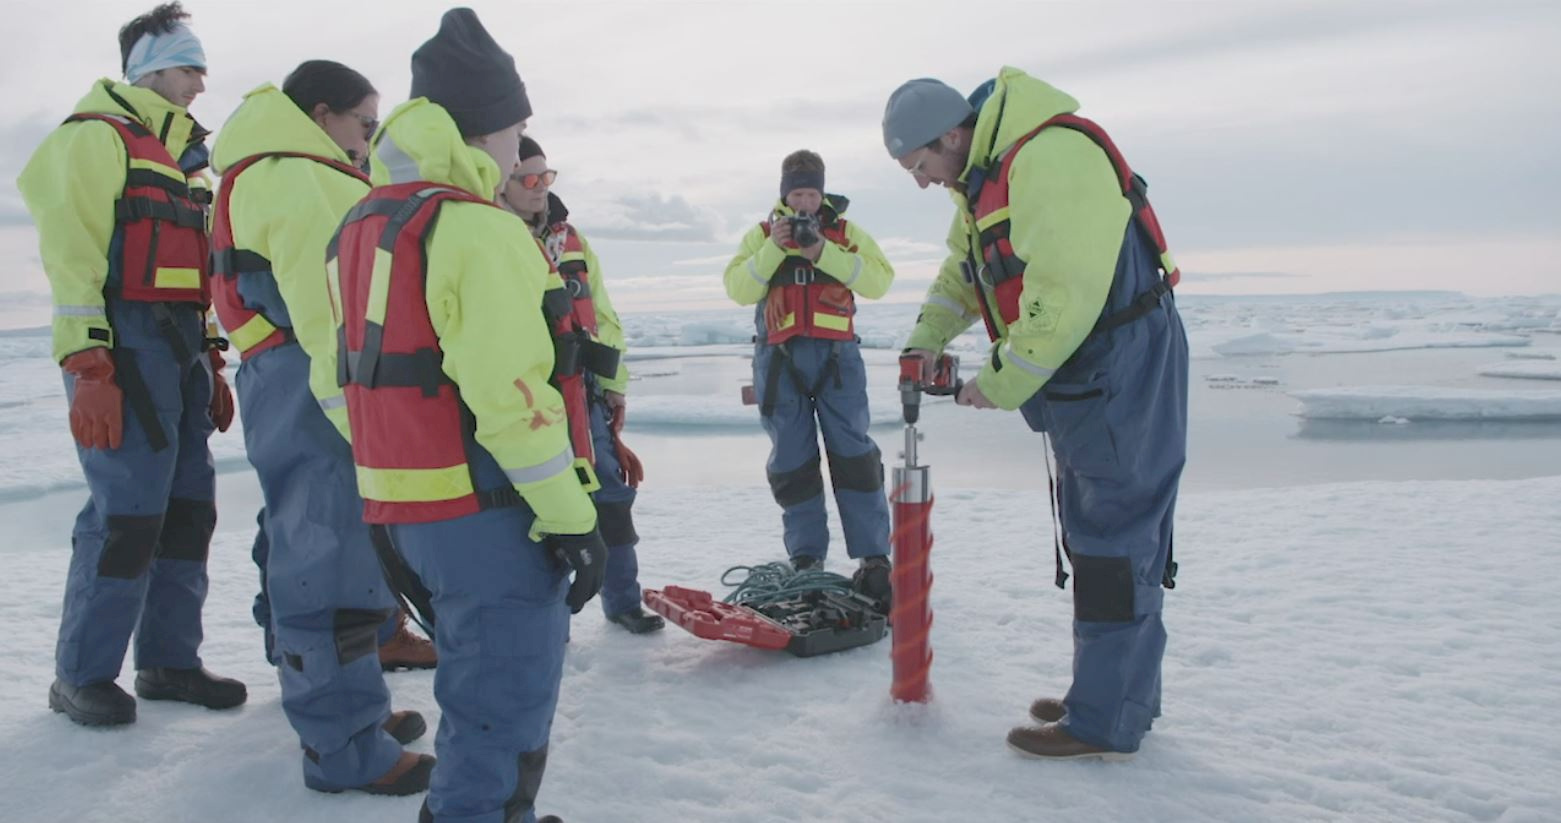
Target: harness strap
781 360
128 375
170 331
1061 577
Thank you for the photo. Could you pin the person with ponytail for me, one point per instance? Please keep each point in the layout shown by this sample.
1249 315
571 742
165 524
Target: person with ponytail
289 162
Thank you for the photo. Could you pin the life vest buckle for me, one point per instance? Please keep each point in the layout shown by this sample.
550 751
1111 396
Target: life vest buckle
803 275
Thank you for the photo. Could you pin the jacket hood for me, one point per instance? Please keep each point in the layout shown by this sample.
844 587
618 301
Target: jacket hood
172 123
269 121
1016 105
419 141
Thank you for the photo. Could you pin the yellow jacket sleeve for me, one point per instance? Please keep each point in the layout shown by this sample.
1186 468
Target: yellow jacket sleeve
865 271
486 276
951 306
748 275
286 209
70 186
1068 217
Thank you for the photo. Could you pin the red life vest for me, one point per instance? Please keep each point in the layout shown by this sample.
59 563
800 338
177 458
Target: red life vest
999 275
250 331
571 315
411 430
561 243
161 222
805 302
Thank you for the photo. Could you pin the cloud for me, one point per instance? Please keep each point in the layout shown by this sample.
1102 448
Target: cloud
651 217
18 140
712 260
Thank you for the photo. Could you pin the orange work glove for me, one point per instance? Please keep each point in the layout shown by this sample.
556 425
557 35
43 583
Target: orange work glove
629 466
775 309
97 411
221 395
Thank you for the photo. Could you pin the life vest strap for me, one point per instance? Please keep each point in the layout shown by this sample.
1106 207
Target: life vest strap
231 263
421 369
129 209
576 352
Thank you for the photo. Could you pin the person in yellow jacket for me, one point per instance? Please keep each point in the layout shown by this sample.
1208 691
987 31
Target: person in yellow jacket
119 198
528 193
462 445
1054 246
802 269
288 177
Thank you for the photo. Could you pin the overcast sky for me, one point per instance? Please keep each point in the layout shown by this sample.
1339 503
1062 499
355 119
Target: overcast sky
1290 147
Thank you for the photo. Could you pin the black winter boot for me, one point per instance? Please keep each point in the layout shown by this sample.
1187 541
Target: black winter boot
195 685
95 704
638 622
803 562
872 580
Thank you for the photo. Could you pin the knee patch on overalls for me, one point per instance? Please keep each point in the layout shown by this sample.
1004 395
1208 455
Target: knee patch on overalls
357 633
801 484
616 523
1102 588
187 530
531 766
863 473
128 549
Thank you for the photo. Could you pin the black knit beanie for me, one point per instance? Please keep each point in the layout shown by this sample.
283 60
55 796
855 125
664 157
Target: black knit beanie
463 70
801 170
529 148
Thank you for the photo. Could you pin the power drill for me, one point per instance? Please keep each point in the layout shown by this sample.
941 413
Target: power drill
914 382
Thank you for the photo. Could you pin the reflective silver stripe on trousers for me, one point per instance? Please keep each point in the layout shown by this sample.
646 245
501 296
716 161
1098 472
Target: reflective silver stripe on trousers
334 402
1025 365
78 311
542 471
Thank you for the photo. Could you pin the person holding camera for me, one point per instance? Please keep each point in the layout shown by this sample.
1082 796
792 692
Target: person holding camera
802 268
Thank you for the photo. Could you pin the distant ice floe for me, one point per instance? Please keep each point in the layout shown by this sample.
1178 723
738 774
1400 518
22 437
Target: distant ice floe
1232 381
1238 343
1524 370
1406 403
1530 355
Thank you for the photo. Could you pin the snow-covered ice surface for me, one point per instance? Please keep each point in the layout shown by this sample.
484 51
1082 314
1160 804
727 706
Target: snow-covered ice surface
1352 652
1535 369
1428 403
1346 651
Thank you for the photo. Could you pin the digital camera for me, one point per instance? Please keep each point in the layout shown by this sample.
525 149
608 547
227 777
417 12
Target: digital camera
804 229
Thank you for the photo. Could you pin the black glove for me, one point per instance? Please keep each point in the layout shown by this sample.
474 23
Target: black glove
586 554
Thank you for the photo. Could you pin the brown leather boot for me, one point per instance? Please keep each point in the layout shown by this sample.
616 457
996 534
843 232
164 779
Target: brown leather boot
1047 710
405 726
406 650
1050 741
409 775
